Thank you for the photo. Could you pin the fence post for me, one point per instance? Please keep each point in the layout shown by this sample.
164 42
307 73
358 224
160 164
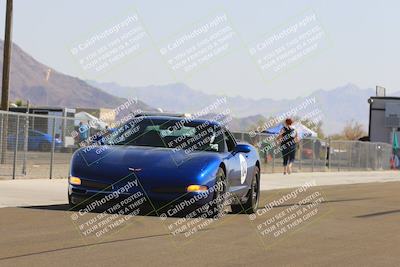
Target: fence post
300 153
339 158
26 140
63 128
4 137
2 129
350 144
53 142
374 157
328 153
313 155
359 156
366 163
15 148
273 161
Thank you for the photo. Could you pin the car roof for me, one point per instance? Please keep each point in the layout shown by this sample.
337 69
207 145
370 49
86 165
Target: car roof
36 131
39 132
177 119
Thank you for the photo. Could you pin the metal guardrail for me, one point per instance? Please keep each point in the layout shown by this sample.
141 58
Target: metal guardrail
41 146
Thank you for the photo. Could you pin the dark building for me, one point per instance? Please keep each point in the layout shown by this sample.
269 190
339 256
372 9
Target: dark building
384 118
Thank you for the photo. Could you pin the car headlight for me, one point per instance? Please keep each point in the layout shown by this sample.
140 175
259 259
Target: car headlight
196 188
75 180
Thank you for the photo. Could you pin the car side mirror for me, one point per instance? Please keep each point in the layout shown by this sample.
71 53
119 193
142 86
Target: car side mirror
242 148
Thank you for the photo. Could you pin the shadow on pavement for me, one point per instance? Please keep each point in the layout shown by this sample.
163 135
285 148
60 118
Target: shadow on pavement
61 207
326 202
378 214
66 207
84 246
146 212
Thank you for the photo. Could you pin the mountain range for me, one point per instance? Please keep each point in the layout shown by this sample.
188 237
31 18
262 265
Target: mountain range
44 86
337 106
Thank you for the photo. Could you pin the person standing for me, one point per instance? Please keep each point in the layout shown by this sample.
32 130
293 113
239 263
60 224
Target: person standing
83 133
288 139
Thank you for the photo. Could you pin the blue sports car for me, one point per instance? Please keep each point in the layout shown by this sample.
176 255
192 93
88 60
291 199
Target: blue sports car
176 163
37 140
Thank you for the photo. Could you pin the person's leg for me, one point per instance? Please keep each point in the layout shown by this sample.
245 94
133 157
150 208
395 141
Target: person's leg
290 164
285 156
292 155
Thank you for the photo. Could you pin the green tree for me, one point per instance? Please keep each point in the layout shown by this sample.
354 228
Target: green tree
258 125
19 103
353 131
314 126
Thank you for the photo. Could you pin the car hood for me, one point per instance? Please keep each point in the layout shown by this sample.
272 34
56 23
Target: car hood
161 166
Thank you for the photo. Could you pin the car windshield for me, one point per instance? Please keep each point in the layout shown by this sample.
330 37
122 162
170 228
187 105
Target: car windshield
174 134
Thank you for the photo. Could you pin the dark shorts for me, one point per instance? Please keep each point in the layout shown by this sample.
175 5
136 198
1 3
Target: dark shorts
288 155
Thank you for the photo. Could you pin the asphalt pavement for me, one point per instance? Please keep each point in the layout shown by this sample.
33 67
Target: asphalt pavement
341 225
23 192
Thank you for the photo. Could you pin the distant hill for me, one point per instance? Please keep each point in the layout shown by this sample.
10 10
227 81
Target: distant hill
43 86
338 105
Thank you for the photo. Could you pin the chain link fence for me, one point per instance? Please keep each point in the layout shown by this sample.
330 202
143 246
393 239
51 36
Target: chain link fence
41 146
313 154
355 155
35 146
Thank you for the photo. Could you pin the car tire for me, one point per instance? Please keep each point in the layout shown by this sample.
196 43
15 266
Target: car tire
217 205
71 205
44 146
253 196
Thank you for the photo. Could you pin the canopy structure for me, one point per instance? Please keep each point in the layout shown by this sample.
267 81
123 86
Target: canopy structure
87 118
395 142
302 130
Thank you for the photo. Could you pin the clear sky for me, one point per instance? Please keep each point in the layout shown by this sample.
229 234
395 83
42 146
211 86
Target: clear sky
363 37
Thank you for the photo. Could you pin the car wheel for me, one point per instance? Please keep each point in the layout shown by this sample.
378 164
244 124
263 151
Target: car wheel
253 196
218 203
70 203
44 146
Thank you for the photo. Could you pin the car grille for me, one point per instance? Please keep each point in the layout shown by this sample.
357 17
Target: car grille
97 185
169 190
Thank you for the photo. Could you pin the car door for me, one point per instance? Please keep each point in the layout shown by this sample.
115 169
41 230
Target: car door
33 140
237 167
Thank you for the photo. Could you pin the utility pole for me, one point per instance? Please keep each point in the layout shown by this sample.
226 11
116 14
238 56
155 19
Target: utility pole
7 56
6 77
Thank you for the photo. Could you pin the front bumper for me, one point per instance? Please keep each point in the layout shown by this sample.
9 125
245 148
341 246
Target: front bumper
160 202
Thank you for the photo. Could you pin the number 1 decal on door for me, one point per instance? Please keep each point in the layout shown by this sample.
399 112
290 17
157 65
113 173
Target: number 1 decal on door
243 168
